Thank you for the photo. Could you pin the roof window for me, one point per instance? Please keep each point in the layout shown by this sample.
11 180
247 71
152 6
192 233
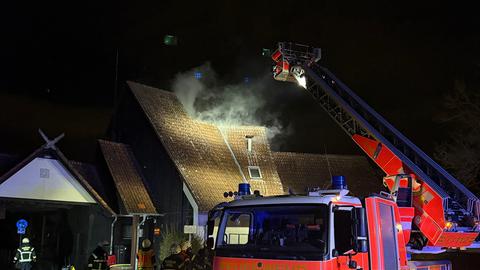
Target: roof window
254 172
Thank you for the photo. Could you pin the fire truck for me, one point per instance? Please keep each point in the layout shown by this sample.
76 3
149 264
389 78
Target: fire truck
424 210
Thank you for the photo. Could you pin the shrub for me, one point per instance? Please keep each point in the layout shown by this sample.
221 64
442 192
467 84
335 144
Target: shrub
171 235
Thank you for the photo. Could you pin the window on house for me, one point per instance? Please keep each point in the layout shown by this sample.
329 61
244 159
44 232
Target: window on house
254 172
44 173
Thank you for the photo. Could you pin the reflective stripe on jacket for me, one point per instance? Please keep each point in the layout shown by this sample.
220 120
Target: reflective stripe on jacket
25 254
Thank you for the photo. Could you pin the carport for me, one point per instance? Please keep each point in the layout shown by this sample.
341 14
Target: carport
66 215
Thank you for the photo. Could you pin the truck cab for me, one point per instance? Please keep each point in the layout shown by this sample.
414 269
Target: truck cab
323 229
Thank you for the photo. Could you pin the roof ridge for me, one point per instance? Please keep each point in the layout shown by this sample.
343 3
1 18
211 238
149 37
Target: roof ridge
319 154
166 92
240 126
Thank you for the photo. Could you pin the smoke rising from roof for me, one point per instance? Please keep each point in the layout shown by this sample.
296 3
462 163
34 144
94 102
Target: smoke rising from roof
245 103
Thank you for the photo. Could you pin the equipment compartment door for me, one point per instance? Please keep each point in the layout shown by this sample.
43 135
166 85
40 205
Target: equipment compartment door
382 233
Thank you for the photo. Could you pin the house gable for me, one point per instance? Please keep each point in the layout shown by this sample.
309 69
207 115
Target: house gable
45 179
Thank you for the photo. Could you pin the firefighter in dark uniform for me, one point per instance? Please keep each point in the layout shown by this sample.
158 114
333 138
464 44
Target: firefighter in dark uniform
99 257
174 261
25 256
187 254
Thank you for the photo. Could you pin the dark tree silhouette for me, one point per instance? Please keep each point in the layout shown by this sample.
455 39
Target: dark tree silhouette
460 154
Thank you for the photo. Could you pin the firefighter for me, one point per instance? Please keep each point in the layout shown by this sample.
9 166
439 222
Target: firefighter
187 253
25 255
146 256
174 261
99 257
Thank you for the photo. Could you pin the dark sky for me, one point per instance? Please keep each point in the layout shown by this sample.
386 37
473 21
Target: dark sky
57 61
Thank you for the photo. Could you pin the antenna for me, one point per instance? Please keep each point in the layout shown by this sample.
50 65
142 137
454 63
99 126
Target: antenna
115 87
328 161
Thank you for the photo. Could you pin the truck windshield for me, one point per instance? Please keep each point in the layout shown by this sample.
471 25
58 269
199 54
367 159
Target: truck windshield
297 232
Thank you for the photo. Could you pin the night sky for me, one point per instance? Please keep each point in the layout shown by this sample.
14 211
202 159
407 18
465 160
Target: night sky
57 62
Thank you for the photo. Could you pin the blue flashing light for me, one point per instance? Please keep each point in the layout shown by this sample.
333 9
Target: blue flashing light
22 225
198 75
246 79
339 182
243 189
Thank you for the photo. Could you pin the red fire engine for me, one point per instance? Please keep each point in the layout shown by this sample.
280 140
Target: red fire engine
426 209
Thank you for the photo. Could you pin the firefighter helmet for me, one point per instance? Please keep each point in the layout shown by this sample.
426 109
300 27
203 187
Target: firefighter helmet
146 243
186 245
25 240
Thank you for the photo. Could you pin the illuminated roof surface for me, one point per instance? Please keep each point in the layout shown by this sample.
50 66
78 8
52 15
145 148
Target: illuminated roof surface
200 153
300 171
127 178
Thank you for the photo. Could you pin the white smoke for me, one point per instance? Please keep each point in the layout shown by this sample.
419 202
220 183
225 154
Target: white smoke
245 103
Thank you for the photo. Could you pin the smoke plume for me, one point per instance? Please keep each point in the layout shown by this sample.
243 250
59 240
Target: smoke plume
245 103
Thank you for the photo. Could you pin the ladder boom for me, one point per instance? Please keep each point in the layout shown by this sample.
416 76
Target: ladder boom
363 117
441 198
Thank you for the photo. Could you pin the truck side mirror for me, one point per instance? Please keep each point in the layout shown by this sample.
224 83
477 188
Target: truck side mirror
335 253
360 230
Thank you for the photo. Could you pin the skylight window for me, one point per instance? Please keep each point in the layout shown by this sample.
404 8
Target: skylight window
254 172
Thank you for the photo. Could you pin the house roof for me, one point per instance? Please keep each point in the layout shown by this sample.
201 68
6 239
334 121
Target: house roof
259 156
300 171
199 150
127 178
57 154
98 181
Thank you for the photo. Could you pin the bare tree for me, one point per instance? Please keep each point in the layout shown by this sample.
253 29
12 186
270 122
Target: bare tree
460 154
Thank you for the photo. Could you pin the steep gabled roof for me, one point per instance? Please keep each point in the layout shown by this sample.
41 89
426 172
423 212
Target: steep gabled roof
127 178
197 148
57 154
300 171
